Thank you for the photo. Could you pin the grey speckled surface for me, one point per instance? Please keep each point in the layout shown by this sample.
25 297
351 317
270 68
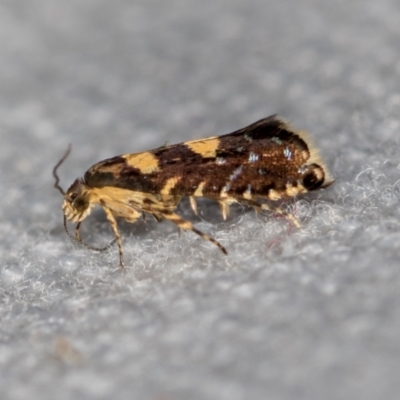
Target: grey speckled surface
308 314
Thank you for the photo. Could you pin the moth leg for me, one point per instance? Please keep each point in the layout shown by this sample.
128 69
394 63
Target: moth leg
290 217
157 217
224 207
193 204
114 227
78 233
274 209
170 201
186 225
78 239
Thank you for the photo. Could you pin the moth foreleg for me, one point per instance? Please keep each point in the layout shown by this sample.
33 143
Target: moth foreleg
78 233
114 227
78 239
186 225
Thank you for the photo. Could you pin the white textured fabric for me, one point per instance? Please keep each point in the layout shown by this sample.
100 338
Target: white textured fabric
309 313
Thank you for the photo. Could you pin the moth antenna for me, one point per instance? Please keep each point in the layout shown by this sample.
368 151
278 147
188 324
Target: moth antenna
77 239
56 185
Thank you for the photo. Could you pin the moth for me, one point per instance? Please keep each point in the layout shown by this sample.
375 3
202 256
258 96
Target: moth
255 166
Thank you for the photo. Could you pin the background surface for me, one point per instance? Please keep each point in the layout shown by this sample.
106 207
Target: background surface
305 313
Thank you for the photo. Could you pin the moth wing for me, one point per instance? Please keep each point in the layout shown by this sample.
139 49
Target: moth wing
266 155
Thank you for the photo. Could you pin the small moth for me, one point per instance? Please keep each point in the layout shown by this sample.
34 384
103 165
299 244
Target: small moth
267 160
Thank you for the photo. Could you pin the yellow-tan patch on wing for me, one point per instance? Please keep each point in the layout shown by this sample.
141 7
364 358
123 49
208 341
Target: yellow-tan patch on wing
247 193
206 148
292 191
274 195
145 162
170 184
199 190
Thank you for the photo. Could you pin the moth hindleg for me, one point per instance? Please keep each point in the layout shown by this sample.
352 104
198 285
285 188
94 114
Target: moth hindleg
274 209
186 225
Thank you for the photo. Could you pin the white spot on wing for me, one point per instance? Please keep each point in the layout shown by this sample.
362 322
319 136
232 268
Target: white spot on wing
302 170
220 160
225 189
236 173
253 157
288 154
233 176
276 140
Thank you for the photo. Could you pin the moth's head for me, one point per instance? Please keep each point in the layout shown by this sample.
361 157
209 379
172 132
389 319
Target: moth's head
77 205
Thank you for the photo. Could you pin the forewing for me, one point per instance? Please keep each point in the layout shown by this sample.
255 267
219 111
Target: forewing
263 157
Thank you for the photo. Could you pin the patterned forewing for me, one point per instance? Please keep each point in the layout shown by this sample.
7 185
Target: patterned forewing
262 157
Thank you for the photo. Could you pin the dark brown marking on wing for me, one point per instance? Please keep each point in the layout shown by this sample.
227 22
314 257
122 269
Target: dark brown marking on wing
176 155
104 172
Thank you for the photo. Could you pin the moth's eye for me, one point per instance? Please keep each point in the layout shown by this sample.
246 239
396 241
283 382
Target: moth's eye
73 196
81 203
314 177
